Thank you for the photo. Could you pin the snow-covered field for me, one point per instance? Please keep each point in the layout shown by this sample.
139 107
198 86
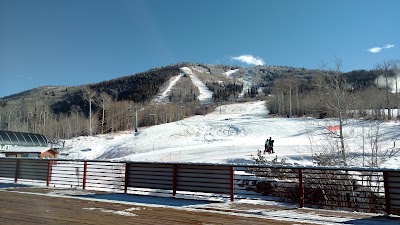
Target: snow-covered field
233 134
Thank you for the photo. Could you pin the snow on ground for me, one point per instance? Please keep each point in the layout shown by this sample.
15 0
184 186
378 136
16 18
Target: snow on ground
205 94
163 97
230 72
232 134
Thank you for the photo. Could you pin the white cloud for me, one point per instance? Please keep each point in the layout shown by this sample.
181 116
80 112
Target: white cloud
389 46
249 59
375 49
379 49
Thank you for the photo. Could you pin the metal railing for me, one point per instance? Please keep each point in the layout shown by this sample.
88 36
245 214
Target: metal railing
355 189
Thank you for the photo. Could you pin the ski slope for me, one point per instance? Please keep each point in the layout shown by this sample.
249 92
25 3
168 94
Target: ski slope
233 134
229 73
205 94
163 97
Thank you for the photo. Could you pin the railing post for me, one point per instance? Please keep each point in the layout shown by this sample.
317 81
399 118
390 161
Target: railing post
126 178
232 177
16 171
301 188
49 170
387 193
174 179
84 175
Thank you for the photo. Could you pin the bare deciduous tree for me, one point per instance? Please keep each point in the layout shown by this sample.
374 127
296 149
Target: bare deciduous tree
386 67
333 91
105 101
396 72
89 97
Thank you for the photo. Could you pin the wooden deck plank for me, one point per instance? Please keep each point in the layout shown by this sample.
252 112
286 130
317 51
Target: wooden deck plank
24 208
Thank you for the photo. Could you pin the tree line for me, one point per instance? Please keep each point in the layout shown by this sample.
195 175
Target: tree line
362 92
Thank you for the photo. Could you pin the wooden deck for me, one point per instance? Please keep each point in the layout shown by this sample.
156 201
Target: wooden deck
24 208
35 206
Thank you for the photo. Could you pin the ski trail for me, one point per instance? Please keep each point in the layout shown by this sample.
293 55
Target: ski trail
205 94
230 73
163 97
246 85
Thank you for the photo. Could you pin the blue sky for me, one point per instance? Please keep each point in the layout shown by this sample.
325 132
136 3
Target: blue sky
73 42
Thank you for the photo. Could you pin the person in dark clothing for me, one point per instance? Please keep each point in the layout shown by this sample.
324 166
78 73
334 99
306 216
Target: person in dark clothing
271 145
266 146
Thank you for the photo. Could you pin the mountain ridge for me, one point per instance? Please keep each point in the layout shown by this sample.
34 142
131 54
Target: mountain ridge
215 69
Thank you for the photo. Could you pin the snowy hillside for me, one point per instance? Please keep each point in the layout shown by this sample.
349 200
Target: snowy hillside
231 134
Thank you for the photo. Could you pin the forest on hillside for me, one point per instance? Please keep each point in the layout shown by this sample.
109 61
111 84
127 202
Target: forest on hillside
112 105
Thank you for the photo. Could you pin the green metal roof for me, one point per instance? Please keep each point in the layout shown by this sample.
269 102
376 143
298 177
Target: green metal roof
22 139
